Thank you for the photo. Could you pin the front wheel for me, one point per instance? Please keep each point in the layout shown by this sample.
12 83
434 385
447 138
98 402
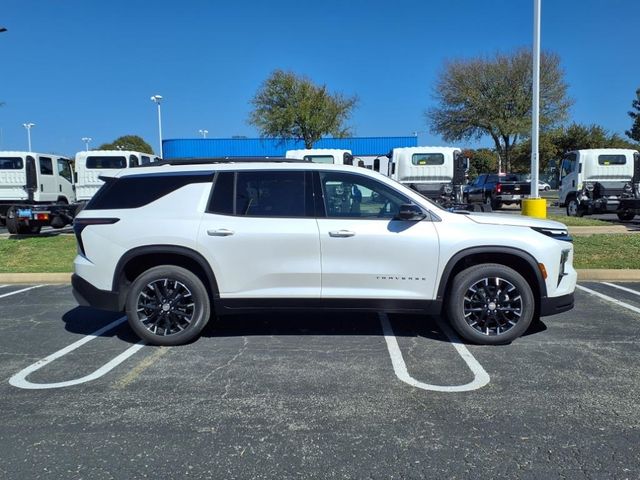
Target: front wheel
490 304
168 305
573 208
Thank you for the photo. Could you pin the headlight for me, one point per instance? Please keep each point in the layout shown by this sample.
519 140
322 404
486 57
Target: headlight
448 189
589 186
557 233
628 187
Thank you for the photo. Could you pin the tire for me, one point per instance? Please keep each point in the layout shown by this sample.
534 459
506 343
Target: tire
626 216
573 208
12 226
168 305
496 205
490 304
29 229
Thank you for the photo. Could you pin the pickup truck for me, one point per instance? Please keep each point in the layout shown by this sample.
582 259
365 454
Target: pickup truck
496 190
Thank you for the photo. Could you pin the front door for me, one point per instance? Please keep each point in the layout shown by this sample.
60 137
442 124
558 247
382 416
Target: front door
261 237
47 185
366 254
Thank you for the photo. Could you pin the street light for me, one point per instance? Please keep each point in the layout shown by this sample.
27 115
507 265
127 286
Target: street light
28 126
156 99
86 141
203 133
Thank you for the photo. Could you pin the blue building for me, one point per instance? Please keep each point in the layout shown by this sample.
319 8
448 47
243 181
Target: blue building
270 147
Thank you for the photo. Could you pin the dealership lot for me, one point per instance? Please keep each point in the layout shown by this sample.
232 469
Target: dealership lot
316 396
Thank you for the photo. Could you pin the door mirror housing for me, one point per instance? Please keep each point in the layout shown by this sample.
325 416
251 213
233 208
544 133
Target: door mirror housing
410 212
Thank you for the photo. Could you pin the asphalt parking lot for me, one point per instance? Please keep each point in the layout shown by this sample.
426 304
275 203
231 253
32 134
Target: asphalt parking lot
318 396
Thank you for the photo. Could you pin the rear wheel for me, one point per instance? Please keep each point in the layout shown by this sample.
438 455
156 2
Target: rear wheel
168 305
490 304
626 216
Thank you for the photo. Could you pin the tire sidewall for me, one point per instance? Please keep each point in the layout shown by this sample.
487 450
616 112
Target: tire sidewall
200 297
455 303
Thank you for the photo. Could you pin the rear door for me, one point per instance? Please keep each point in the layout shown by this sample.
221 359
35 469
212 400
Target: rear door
366 254
261 237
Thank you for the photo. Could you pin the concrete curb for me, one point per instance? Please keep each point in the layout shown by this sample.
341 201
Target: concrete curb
591 274
591 230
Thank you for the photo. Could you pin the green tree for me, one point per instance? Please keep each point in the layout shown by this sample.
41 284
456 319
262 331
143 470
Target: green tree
128 142
482 160
480 97
634 133
290 106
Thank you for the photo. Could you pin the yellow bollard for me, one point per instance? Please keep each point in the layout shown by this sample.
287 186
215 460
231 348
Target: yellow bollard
534 207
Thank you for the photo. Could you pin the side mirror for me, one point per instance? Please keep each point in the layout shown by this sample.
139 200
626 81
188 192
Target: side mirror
410 212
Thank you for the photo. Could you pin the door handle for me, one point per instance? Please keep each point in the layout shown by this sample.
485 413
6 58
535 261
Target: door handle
342 233
220 232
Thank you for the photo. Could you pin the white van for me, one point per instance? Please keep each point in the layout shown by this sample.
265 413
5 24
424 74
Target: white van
91 164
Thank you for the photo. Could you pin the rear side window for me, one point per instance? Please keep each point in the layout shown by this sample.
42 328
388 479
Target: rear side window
139 190
319 158
262 194
46 166
612 159
106 162
11 163
426 159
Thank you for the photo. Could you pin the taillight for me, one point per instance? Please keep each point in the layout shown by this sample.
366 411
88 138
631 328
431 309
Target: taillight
498 187
79 224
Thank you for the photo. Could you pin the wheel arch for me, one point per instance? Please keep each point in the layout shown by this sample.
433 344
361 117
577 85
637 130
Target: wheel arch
140 259
517 259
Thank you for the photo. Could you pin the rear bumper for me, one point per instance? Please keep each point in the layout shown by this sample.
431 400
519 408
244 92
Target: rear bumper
553 305
89 296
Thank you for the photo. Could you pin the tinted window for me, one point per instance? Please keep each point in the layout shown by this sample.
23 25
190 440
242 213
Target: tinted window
271 194
612 159
11 163
106 162
144 160
64 169
46 166
427 159
133 161
491 178
221 201
356 196
136 191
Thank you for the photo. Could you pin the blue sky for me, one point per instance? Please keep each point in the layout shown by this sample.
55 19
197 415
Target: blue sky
88 68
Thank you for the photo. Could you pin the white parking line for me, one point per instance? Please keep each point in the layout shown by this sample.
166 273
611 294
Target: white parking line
20 291
20 379
609 299
625 289
480 376
2 286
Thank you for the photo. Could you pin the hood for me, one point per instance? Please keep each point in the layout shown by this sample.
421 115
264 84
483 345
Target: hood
514 220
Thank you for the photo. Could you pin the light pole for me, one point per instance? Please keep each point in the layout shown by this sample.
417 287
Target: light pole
86 141
28 126
203 133
156 99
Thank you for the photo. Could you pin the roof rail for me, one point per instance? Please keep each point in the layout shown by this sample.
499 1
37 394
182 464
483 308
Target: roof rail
204 161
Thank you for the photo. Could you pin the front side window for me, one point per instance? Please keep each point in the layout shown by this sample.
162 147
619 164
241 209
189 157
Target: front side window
568 165
612 159
11 163
64 169
144 160
426 159
348 195
133 161
106 162
46 166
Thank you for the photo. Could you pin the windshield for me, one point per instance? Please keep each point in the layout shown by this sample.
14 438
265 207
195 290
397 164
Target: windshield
11 163
106 162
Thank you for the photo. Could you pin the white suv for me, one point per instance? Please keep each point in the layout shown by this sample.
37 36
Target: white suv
174 245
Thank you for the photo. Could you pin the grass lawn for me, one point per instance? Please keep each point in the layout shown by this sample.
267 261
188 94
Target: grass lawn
579 221
37 254
53 254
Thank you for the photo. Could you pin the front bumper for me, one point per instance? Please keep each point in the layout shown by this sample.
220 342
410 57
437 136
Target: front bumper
89 296
553 305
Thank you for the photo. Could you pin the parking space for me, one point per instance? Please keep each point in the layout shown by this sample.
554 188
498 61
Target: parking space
320 395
